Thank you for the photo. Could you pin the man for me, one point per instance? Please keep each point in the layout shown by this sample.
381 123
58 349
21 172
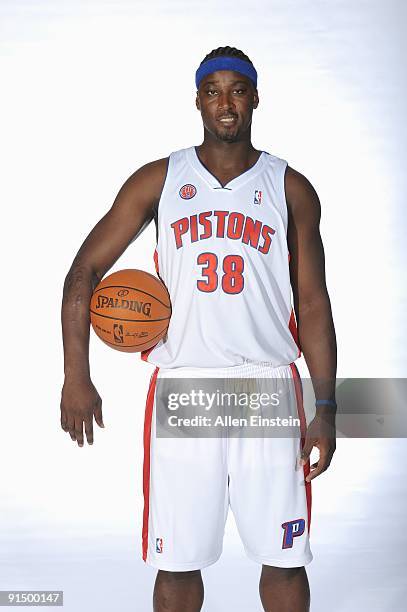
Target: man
237 229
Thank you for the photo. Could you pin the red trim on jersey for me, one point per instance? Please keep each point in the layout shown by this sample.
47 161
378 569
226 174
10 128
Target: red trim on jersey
146 464
292 325
144 354
155 257
303 429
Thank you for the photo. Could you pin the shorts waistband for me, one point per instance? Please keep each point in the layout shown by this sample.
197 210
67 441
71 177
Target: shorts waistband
245 370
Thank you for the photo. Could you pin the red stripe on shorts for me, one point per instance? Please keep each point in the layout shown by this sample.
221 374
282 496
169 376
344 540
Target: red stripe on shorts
146 464
303 429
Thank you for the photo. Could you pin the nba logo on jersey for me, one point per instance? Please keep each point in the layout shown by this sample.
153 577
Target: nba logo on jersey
159 545
187 191
257 196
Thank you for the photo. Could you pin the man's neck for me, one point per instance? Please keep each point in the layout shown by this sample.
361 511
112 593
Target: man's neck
225 156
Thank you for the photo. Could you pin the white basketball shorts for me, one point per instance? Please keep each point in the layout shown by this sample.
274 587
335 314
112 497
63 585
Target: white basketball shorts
189 483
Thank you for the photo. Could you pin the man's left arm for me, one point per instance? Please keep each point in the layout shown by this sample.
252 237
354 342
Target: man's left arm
316 332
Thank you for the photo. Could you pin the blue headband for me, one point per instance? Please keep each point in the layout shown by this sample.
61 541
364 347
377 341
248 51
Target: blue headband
226 62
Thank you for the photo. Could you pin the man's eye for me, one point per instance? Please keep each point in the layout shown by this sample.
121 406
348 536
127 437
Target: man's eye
211 92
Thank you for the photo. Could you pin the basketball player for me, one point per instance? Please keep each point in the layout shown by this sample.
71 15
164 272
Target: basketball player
237 230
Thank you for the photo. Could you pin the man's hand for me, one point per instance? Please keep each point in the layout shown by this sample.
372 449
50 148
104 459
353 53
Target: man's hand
80 401
321 433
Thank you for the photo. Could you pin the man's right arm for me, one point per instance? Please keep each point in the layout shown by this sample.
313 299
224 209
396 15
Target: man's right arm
132 210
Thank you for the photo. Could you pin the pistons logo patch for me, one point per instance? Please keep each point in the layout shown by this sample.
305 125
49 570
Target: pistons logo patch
292 529
187 191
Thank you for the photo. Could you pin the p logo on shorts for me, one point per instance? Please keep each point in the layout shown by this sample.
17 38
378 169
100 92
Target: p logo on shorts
292 529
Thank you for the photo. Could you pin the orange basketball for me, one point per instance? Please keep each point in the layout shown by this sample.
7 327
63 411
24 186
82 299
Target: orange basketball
130 310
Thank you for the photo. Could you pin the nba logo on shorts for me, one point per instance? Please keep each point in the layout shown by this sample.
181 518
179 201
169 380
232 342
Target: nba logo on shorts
187 191
257 196
159 545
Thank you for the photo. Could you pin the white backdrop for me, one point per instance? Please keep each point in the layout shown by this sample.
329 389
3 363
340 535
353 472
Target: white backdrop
90 92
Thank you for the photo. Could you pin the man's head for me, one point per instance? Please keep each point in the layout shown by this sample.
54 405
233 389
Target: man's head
226 95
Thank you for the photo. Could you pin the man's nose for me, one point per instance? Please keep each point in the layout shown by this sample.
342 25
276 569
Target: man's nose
225 101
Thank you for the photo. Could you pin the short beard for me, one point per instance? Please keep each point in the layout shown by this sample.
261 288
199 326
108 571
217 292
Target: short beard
226 137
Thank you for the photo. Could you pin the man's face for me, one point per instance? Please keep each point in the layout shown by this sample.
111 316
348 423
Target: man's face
226 100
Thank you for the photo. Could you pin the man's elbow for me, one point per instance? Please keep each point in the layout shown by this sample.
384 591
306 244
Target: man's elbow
318 303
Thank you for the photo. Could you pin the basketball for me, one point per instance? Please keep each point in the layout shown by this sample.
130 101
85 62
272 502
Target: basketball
130 310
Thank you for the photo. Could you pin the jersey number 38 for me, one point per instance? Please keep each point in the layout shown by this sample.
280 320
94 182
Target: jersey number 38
232 280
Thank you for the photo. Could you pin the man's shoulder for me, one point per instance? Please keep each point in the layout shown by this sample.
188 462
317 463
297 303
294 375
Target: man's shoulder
159 167
156 167
300 194
147 181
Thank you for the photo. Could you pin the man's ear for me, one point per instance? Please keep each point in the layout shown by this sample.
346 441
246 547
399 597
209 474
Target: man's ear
255 99
197 103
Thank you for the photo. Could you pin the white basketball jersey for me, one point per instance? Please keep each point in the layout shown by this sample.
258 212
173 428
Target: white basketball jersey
222 254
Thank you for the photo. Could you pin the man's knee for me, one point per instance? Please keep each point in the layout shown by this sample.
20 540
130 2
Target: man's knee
281 572
178 576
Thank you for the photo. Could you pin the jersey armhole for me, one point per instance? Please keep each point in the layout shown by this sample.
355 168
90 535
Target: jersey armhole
284 211
157 210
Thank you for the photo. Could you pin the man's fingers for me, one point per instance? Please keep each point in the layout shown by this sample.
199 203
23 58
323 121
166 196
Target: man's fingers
64 420
70 424
316 472
98 414
79 430
89 430
79 402
320 466
306 451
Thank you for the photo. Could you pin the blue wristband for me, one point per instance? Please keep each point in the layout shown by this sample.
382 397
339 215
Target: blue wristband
323 402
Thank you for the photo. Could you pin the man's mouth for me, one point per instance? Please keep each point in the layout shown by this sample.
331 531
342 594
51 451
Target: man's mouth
228 119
